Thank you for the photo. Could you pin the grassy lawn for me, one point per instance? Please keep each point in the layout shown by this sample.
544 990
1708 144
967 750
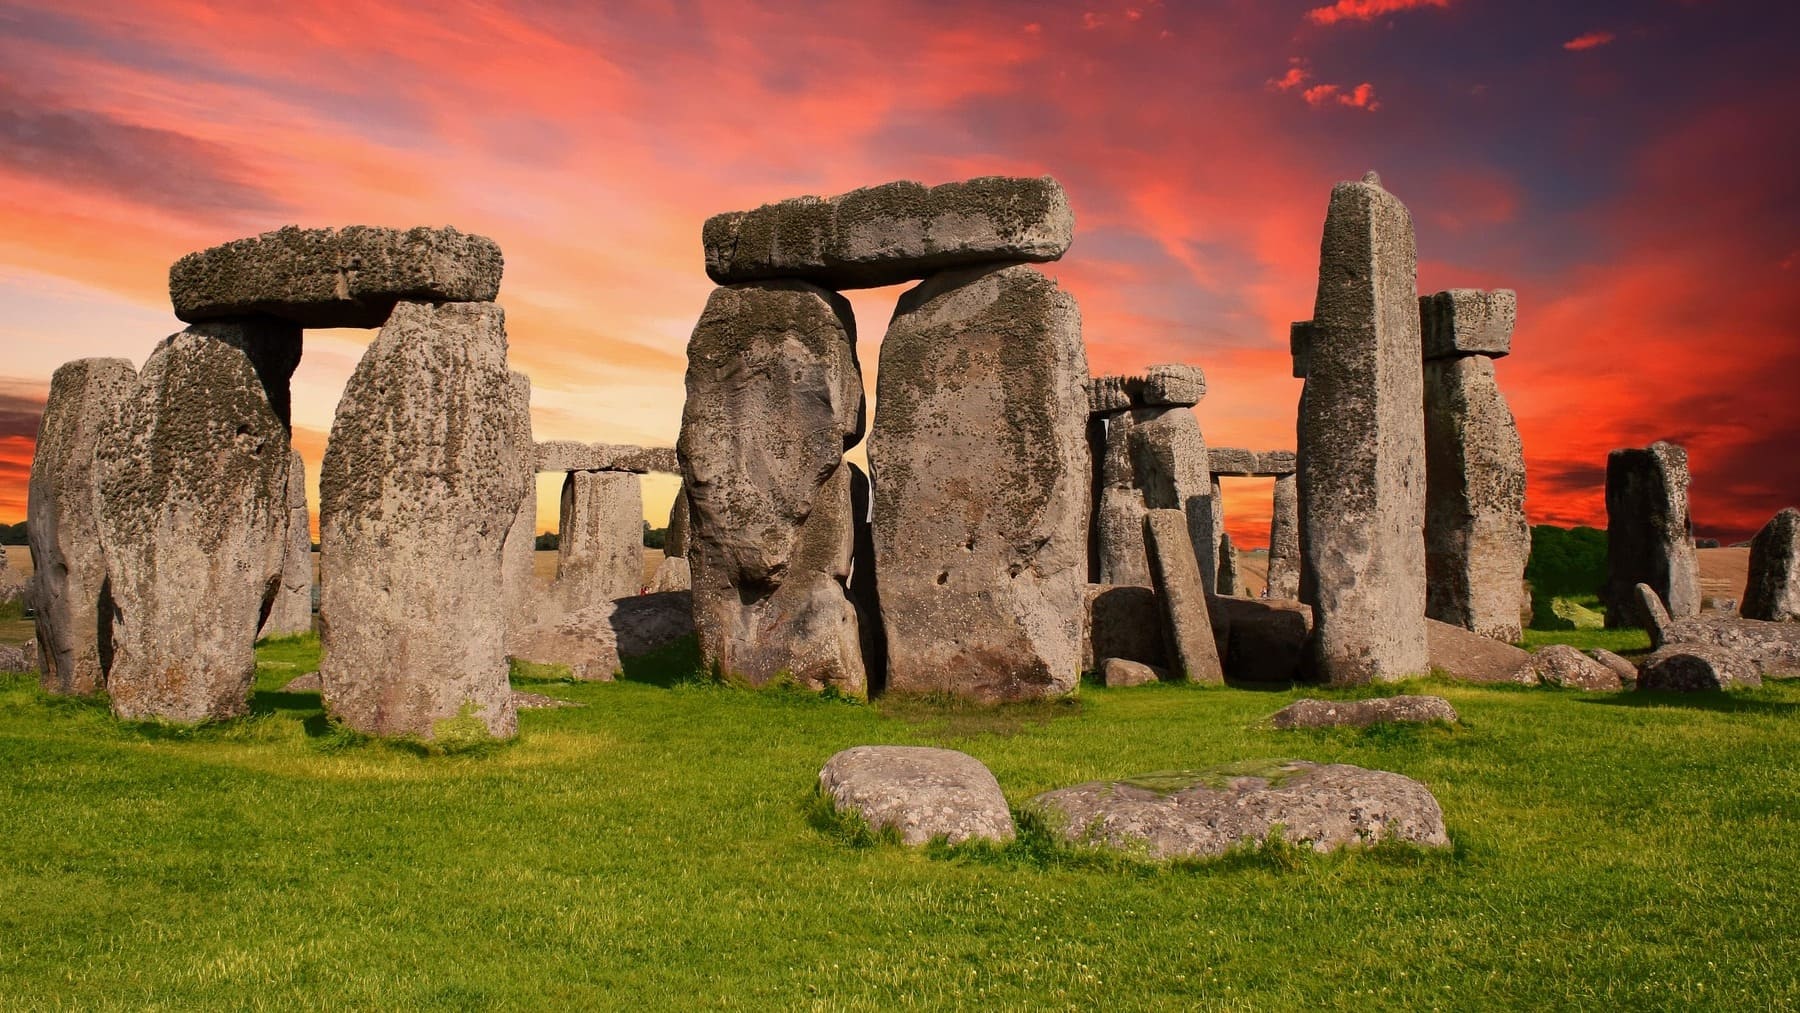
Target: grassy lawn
654 849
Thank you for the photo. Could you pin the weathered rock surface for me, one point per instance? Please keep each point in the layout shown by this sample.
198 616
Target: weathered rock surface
1773 591
1649 536
519 588
595 641
1362 713
922 793
1468 321
672 574
600 551
981 486
418 490
1232 461
1476 537
1472 657
1119 672
1155 459
774 398
1107 394
291 611
1625 670
193 507
1284 539
1278 462
569 455
892 233
1123 621
1690 668
73 616
675 539
1174 385
1362 444
1202 814
1562 665
349 277
1187 623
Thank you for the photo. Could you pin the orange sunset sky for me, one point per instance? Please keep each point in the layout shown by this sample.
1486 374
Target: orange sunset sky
1628 167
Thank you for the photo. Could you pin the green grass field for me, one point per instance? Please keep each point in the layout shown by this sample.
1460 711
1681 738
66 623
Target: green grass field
654 849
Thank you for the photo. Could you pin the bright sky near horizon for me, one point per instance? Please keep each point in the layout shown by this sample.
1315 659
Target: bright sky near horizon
1628 167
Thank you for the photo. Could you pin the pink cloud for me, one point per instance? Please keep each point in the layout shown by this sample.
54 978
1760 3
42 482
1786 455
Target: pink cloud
1592 40
1366 10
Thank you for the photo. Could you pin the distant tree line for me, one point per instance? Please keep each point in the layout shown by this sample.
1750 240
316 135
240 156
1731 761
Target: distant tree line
550 541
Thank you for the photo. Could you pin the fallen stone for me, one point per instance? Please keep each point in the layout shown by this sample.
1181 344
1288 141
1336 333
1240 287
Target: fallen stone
61 518
1204 814
569 455
1362 445
291 612
1625 670
892 233
1773 648
1118 672
1123 621
1468 321
1562 665
922 793
1363 713
774 398
1476 537
537 701
19 657
1176 577
191 481
308 683
1649 536
594 642
600 548
348 277
1173 385
1471 657
1773 591
1284 539
982 407
1691 668
419 489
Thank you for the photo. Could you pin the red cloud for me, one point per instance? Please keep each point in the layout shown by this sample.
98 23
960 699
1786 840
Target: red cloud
1294 78
1360 97
1366 10
1592 40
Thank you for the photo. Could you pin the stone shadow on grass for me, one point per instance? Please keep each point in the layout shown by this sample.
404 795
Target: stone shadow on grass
1732 702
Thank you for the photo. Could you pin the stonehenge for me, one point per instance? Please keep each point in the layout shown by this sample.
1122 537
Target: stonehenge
1147 453
1649 536
1362 444
1284 520
1476 537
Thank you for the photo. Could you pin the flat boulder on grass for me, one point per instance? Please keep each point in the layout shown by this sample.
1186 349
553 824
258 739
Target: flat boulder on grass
1362 713
1116 672
920 792
1471 657
1697 668
1206 813
1625 670
1562 665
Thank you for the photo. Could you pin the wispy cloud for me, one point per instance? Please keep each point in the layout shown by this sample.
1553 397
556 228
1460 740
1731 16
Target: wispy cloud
1591 40
1366 10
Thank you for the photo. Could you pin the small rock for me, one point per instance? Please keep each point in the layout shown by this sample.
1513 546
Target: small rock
1562 665
921 792
308 683
537 701
1362 713
1626 671
1115 672
1691 668
1200 814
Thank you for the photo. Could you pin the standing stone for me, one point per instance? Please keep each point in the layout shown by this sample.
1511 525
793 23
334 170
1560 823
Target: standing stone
600 552
1155 459
1186 620
1649 536
774 398
1284 540
1227 583
193 503
73 620
419 487
1773 591
291 613
518 584
981 486
1476 537
675 539
1362 444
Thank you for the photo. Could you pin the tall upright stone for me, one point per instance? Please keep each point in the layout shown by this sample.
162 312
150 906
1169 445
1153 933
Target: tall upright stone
774 398
1284 539
981 486
1228 582
518 586
1476 537
675 539
1773 590
1362 444
291 612
74 633
600 554
192 485
419 487
1649 535
1187 620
